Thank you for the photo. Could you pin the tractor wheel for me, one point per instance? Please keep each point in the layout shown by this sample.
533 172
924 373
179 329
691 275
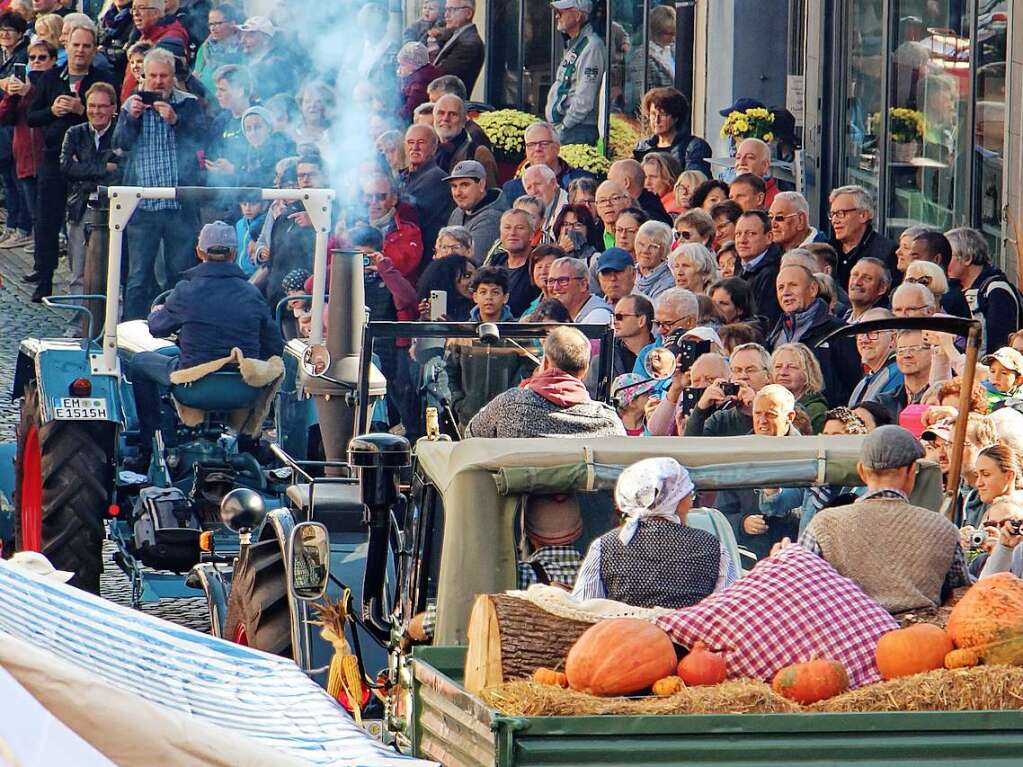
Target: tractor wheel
258 614
62 491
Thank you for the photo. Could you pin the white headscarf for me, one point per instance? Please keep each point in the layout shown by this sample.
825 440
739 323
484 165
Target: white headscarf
649 488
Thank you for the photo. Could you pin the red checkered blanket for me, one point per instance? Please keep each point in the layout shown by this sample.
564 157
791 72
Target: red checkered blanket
790 608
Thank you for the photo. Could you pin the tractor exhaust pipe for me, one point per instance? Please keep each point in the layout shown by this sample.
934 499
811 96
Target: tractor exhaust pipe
346 314
98 234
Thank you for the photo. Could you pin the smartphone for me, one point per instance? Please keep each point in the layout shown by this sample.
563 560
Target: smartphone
690 396
438 304
149 97
21 71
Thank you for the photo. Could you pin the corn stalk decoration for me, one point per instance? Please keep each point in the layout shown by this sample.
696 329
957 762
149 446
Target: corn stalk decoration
344 673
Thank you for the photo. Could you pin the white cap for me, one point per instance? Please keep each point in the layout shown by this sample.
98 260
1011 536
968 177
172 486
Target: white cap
258 24
35 563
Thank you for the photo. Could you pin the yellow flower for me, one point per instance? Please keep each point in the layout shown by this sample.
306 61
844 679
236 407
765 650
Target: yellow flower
768 137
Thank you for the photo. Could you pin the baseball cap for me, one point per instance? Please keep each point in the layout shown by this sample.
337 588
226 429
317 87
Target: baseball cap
890 447
258 24
741 105
943 429
567 5
467 169
1009 357
615 260
217 234
37 564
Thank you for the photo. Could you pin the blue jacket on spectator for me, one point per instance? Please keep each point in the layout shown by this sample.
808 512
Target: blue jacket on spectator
213 310
247 230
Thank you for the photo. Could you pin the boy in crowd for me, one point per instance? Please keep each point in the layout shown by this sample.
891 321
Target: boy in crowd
248 227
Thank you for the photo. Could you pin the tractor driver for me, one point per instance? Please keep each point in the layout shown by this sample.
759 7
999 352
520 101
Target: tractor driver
213 309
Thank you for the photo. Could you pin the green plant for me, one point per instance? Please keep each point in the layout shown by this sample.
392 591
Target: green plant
905 126
506 129
624 137
753 123
585 157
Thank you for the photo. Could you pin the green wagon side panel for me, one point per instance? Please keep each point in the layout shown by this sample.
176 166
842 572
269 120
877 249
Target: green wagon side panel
977 738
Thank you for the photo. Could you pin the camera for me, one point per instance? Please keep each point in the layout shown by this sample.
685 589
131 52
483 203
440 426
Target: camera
149 97
730 389
1014 525
690 396
976 540
685 350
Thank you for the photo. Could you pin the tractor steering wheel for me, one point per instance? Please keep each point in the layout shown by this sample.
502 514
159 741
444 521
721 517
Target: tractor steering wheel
159 301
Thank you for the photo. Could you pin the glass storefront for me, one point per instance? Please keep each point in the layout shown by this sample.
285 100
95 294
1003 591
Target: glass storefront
924 110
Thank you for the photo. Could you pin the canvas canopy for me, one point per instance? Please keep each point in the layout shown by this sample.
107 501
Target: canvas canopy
479 480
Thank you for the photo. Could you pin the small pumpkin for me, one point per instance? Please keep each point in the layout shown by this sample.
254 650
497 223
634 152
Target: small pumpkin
991 611
619 656
912 650
550 677
812 681
702 666
668 686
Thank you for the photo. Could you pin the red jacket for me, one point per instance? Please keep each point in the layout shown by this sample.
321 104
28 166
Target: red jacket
27 145
154 35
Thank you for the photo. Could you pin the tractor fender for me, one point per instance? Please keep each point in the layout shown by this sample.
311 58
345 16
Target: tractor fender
279 524
54 364
215 585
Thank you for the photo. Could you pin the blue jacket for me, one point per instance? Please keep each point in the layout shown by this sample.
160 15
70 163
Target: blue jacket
213 310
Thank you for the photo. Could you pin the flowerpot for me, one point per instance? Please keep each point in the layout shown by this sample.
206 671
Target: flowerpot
903 151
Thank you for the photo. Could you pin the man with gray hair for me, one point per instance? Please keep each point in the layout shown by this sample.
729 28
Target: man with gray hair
462 49
161 140
991 296
542 148
852 223
540 181
790 222
629 174
674 309
55 108
512 252
911 299
554 402
422 184
449 120
569 282
572 102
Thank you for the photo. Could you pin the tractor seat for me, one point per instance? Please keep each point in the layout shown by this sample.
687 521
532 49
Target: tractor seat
338 504
220 391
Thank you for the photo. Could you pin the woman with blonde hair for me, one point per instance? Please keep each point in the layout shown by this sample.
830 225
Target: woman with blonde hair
796 368
694 267
661 171
686 184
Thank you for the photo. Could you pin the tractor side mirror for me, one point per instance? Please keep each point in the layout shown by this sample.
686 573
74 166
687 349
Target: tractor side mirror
660 364
308 560
316 360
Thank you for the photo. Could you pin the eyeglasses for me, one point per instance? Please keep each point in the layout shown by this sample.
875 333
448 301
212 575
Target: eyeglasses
213 24
684 234
312 175
906 350
453 8
40 57
839 214
779 218
911 309
561 282
620 316
538 145
611 200
874 335
8 31
669 325
925 280
372 196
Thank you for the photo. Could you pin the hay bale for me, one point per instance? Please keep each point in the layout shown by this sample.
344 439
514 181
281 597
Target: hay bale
744 696
964 689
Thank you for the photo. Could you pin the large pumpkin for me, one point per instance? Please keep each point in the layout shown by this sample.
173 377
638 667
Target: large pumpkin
912 650
812 681
991 611
619 656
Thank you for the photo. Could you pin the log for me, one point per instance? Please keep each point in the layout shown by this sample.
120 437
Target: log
509 638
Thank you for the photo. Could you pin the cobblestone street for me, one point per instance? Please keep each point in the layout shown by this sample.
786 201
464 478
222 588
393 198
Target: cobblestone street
20 318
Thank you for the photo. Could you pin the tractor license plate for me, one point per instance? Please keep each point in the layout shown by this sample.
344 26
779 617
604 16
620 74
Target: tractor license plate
80 409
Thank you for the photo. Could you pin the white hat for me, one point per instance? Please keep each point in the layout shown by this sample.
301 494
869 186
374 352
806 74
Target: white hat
258 24
35 563
704 333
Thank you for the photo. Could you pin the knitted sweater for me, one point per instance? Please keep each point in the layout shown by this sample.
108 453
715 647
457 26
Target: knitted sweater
898 553
524 413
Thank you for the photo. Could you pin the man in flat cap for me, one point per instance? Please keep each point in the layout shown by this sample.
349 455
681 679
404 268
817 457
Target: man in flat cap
213 310
905 557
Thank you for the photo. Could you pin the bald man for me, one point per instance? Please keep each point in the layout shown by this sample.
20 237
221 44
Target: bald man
754 156
629 174
422 183
911 299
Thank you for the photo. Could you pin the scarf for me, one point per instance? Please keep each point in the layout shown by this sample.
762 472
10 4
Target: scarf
795 325
651 488
557 387
385 222
645 284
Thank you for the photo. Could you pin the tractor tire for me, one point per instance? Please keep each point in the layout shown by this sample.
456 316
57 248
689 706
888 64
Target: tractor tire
62 491
258 612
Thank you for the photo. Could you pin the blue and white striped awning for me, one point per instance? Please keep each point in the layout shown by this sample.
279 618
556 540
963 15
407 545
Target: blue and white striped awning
254 695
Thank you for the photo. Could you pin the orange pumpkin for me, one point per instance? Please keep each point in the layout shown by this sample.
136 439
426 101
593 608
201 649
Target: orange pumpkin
912 650
550 677
619 656
812 681
701 666
668 686
991 611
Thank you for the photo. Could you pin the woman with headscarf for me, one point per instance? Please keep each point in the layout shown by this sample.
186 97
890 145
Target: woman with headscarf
654 559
